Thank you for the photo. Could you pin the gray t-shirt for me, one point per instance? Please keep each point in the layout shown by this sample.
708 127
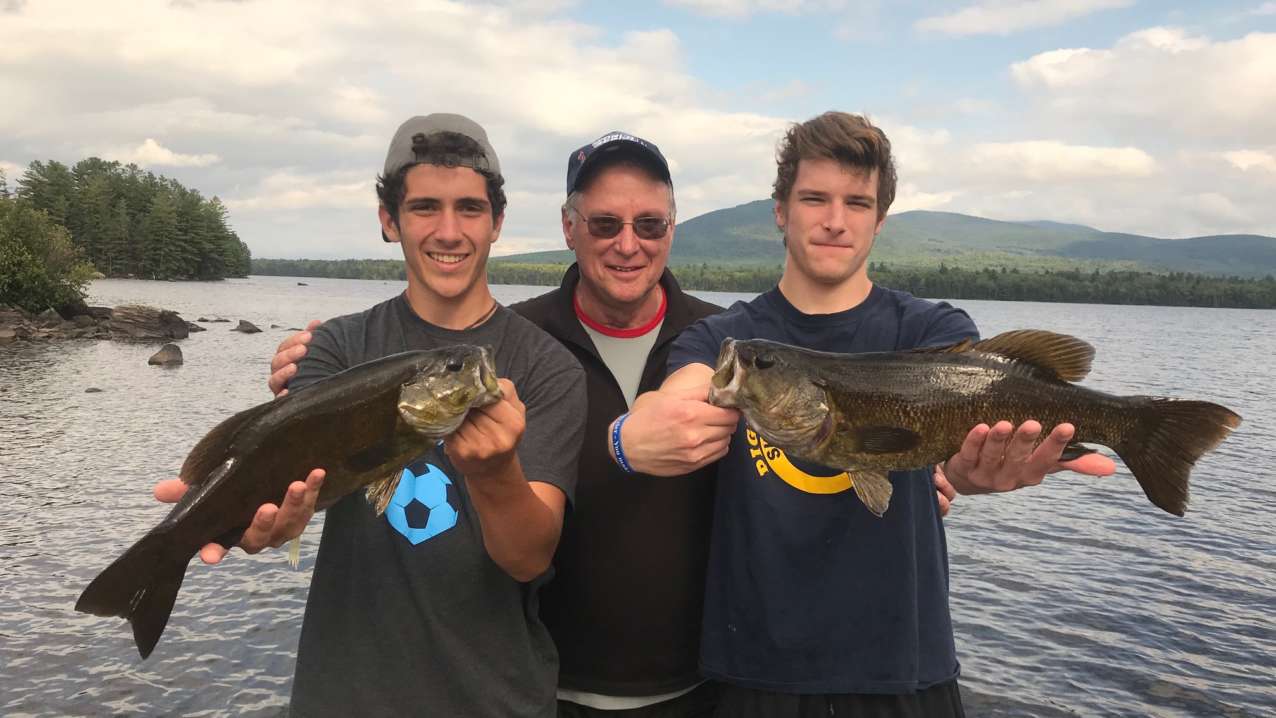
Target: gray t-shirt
407 614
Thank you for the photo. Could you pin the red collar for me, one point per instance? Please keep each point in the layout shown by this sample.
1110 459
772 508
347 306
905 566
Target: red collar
621 333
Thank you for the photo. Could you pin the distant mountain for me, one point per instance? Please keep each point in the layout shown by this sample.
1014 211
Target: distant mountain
746 235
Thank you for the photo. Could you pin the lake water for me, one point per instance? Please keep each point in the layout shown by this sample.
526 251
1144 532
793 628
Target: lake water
1076 597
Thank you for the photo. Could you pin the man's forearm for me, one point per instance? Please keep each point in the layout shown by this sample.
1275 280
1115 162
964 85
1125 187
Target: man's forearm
520 531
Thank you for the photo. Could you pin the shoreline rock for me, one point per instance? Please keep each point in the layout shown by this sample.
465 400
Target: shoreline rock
127 322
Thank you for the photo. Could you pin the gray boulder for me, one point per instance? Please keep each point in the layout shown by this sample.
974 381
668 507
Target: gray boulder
143 323
246 327
168 355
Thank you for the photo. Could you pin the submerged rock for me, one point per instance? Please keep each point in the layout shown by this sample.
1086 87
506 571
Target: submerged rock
93 390
246 327
168 355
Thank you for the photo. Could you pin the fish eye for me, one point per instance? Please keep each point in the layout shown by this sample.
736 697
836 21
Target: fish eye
763 362
455 366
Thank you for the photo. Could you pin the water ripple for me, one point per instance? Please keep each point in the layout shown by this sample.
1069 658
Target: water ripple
1073 598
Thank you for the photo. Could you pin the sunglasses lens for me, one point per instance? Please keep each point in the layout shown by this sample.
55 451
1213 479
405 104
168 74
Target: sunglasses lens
651 227
604 227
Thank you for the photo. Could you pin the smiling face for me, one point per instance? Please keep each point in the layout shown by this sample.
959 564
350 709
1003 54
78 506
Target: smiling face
619 276
446 229
829 220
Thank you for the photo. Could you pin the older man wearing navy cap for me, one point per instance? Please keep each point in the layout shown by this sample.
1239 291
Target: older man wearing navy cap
625 604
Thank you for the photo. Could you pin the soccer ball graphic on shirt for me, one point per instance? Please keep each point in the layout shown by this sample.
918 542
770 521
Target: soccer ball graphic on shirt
430 491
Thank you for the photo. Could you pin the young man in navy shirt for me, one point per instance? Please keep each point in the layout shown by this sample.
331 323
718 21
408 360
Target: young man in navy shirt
813 605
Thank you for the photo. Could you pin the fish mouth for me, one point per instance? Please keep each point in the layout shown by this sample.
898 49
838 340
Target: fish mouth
724 386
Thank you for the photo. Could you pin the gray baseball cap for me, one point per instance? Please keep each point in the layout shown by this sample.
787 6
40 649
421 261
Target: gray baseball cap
411 139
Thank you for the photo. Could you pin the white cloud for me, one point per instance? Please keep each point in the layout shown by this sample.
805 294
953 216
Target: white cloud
298 105
744 8
1004 17
1053 161
290 191
11 171
1267 8
152 154
1190 89
1246 160
909 197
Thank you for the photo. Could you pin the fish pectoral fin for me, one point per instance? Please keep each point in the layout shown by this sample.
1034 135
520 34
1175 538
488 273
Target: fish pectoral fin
1062 356
294 552
1076 451
886 439
381 491
212 450
874 489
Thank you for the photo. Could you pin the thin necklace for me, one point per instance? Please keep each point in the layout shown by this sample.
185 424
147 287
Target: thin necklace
486 315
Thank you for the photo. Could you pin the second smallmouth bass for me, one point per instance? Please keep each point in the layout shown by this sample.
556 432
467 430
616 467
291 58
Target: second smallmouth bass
361 426
874 412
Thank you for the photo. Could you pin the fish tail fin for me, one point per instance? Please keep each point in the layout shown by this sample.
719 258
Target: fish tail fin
141 586
1170 435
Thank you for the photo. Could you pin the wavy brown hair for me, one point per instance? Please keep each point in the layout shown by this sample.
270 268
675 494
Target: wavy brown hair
849 139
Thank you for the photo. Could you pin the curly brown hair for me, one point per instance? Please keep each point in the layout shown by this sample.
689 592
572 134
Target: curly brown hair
442 148
849 139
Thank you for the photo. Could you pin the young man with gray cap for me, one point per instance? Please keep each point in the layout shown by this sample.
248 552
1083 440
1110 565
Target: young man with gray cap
432 610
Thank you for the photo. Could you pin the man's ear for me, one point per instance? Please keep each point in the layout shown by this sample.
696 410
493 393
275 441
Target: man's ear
781 219
497 223
567 229
389 227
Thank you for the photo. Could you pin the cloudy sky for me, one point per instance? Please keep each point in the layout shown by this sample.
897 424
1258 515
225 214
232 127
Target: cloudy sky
1144 116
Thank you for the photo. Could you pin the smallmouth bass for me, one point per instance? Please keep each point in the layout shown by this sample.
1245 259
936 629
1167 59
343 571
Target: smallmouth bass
361 426
874 412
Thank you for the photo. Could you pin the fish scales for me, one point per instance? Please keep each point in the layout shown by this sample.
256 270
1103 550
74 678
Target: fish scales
361 426
941 396
871 413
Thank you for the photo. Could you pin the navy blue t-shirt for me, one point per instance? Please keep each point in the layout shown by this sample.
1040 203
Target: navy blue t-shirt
807 591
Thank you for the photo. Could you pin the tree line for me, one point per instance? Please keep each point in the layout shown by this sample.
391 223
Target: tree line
132 223
1001 283
40 267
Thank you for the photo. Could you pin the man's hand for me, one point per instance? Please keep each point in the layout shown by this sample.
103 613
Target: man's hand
272 526
485 443
674 431
283 365
1002 458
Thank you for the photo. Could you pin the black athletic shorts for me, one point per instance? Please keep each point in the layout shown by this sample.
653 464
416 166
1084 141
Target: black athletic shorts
940 701
698 703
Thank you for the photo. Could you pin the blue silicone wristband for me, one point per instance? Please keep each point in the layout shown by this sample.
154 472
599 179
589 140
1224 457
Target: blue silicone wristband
615 444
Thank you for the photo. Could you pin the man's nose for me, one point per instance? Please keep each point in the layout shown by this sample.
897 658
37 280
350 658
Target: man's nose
627 242
835 220
449 226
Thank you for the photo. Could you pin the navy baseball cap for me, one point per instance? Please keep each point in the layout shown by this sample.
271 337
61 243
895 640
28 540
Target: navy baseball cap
614 144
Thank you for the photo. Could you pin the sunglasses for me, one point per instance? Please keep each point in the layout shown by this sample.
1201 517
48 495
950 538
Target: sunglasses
605 226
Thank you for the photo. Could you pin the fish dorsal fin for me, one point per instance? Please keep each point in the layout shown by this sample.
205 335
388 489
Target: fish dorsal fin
212 450
1062 356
